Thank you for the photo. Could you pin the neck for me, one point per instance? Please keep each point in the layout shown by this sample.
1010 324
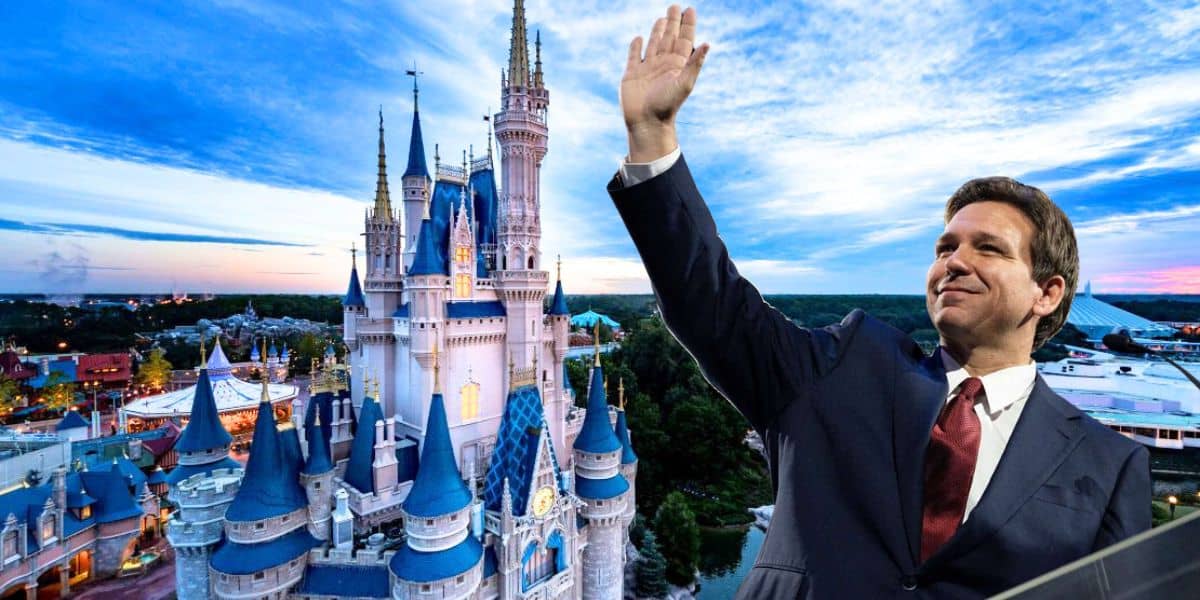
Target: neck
984 360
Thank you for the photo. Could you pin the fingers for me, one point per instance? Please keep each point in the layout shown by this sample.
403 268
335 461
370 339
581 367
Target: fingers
687 33
672 31
691 69
656 36
635 54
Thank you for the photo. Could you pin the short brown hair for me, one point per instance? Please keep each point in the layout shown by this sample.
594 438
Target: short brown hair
1053 247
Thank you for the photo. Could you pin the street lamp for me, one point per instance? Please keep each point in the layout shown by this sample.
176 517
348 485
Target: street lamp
1172 500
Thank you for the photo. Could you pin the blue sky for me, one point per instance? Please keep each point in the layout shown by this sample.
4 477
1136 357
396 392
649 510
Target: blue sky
230 146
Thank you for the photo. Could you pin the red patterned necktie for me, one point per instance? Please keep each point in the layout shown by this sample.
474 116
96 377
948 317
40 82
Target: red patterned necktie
949 467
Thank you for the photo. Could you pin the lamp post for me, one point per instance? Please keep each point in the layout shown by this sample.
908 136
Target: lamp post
1172 500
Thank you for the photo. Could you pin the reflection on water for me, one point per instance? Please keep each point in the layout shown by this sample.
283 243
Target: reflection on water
726 556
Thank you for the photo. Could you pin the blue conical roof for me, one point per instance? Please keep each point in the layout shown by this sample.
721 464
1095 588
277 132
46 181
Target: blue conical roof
628 457
254 355
266 489
204 430
273 352
596 436
416 150
559 305
318 448
71 420
293 458
283 355
439 489
426 261
359 472
354 293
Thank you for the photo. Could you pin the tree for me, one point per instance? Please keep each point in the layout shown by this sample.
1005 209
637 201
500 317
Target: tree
676 525
650 569
155 371
59 392
637 530
10 391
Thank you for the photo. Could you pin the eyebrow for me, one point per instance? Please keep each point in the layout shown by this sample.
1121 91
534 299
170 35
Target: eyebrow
980 237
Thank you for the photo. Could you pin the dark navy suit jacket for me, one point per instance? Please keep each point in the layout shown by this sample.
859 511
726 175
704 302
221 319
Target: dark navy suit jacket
845 413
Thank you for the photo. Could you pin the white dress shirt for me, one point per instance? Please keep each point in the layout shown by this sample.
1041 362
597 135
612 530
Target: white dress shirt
998 406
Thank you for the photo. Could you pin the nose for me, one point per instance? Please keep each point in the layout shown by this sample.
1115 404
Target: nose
957 263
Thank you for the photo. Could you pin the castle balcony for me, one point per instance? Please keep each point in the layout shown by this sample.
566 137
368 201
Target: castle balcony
557 586
522 276
519 117
574 422
377 508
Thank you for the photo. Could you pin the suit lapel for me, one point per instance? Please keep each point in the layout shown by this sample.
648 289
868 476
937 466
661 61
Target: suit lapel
920 395
1045 434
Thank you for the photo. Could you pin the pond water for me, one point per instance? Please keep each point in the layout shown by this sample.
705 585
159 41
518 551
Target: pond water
726 556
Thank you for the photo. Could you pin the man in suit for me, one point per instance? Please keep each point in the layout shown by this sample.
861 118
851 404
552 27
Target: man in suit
956 475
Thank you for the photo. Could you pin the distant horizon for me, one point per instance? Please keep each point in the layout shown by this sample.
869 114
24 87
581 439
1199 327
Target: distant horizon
9 295
232 146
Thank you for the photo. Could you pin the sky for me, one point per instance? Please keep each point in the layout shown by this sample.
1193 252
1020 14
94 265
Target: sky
230 146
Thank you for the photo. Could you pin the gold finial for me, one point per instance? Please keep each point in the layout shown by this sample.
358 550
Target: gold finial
437 386
621 392
596 342
266 378
203 362
353 256
560 267
375 388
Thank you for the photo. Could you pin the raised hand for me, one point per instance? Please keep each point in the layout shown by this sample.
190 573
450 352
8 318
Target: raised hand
655 86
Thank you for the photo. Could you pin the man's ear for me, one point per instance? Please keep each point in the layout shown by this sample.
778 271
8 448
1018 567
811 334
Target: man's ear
1052 291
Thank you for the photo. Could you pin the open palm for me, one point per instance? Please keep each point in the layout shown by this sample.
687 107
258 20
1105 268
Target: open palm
656 85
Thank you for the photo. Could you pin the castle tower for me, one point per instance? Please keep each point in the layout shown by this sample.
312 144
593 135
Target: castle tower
415 182
462 250
360 470
317 478
266 533
272 363
560 325
202 485
522 134
353 305
382 227
599 482
426 291
629 460
440 557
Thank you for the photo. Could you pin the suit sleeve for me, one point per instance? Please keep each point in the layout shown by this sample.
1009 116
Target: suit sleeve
749 351
1128 511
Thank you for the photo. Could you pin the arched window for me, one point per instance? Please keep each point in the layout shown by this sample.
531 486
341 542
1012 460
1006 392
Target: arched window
461 254
462 286
531 262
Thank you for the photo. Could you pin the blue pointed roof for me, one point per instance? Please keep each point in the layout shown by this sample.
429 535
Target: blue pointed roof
486 201
416 150
273 352
113 500
157 477
438 489
318 449
354 293
204 430
628 457
284 355
320 404
362 449
596 436
243 559
515 455
254 354
71 420
293 459
329 350
266 489
421 567
427 260
558 306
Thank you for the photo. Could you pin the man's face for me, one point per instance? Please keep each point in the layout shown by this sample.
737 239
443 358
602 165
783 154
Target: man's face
980 288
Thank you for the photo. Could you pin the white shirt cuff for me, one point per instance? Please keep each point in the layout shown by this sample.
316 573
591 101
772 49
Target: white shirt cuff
635 173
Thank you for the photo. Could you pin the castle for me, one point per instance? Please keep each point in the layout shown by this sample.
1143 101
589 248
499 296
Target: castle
445 457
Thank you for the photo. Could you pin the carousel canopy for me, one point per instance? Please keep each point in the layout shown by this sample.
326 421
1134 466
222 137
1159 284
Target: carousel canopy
231 394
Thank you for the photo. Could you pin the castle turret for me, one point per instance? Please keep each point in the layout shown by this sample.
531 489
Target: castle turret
598 481
204 443
522 134
426 292
201 486
440 558
360 472
385 269
415 181
354 304
317 478
267 538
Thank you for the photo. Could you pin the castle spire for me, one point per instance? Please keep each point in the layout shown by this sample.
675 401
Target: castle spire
537 71
558 305
518 53
383 201
416 145
596 342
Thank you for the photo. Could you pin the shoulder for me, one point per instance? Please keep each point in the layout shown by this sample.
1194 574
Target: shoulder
863 336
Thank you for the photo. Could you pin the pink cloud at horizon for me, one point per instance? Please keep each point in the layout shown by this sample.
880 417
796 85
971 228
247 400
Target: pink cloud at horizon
1183 279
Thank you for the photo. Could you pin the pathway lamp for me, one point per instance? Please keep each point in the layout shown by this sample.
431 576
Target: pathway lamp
1172 500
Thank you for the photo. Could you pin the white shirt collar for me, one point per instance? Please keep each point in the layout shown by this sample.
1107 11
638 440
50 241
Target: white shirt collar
1000 388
